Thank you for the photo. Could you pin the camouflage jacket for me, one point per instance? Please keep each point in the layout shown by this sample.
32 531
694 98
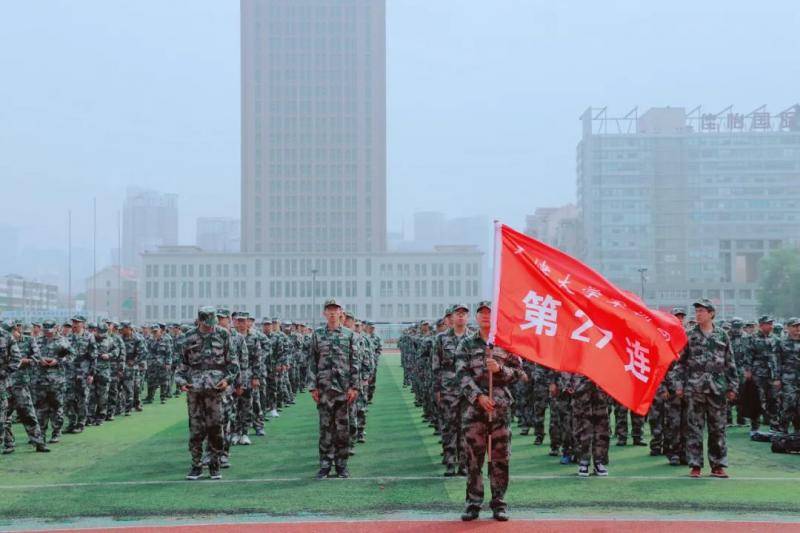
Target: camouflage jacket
108 346
377 347
761 358
578 383
739 343
9 359
443 361
59 349
706 364
265 350
543 377
206 359
473 377
255 356
281 351
789 361
85 355
333 364
365 363
160 351
135 350
241 355
29 349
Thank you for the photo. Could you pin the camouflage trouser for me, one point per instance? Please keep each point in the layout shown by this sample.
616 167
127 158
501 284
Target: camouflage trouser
361 412
205 423
371 390
592 430
766 400
76 406
561 408
657 418
138 385
116 394
3 407
452 434
99 394
523 394
228 419
541 399
129 382
19 400
244 411
157 378
790 408
284 389
675 427
621 423
50 406
702 408
477 428
334 430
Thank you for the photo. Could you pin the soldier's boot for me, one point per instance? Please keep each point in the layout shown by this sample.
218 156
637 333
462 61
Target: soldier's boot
538 440
501 515
637 441
566 459
245 440
341 470
194 473
260 432
360 438
42 448
450 471
472 512
553 452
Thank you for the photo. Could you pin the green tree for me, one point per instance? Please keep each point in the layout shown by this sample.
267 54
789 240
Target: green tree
780 283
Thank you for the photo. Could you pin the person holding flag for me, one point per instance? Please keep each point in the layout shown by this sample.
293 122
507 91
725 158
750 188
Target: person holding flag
485 373
706 375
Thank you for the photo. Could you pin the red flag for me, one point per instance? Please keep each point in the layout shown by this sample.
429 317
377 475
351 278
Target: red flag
552 309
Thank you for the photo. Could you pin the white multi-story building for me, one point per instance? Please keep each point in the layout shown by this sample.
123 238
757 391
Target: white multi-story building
387 287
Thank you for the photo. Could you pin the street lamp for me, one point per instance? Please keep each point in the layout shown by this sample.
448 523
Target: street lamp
642 272
314 297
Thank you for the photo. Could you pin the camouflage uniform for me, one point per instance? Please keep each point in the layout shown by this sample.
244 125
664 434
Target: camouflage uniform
261 398
20 398
590 410
10 357
761 361
206 360
706 372
675 420
473 377
739 344
542 377
249 369
160 359
366 370
77 379
789 359
51 382
377 348
104 374
135 357
116 389
621 424
332 371
449 391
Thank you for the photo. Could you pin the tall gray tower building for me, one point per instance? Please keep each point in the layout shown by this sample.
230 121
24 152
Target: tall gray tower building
313 126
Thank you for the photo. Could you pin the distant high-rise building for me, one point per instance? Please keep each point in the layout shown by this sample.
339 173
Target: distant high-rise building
429 226
688 204
556 226
219 234
112 293
149 220
313 126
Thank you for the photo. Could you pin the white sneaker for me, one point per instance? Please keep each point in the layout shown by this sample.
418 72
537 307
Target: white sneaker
274 413
244 440
234 439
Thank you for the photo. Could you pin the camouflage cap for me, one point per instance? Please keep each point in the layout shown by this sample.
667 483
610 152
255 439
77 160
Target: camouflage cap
679 311
91 325
793 321
705 303
349 314
749 323
737 322
207 314
66 324
48 324
483 304
765 319
275 320
37 322
223 312
241 315
449 310
102 328
79 318
265 320
440 322
331 302
456 307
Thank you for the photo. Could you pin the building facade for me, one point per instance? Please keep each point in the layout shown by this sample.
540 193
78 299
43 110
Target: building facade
149 220
25 299
556 226
219 234
686 204
112 293
388 287
313 126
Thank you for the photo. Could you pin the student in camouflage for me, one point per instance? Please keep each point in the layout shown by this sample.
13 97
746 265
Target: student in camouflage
135 357
80 375
761 367
706 377
592 430
333 374
789 367
485 415
55 355
20 399
248 382
207 367
160 358
109 361
739 340
10 360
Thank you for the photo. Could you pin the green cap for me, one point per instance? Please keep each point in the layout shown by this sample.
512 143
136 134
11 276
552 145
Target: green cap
331 303
79 318
793 321
208 315
483 303
48 324
679 311
737 322
765 319
705 303
223 313
456 307
102 328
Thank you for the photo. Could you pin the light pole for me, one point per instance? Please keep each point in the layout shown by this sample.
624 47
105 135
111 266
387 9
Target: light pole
642 275
313 298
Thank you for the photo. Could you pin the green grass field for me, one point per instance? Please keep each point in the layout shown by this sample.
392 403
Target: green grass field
134 467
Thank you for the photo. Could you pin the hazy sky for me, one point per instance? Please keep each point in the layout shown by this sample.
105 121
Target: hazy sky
483 98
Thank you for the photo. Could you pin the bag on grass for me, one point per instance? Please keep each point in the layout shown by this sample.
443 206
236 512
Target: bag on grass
760 436
788 443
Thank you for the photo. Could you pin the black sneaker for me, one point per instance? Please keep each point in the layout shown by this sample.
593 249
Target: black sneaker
524 431
583 469
450 471
342 472
538 440
674 461
501 515
600 469
42 448
470 513
9 450
639 442
323 472
195 473
55 438
213 471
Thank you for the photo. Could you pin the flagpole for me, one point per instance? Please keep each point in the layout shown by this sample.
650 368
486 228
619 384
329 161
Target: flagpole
491 398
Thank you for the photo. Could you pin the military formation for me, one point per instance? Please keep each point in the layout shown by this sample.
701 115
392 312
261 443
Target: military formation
730 373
